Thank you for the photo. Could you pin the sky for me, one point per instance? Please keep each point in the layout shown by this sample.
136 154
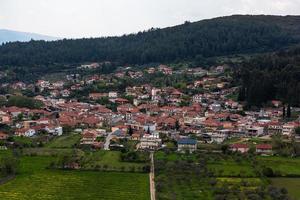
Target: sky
95 18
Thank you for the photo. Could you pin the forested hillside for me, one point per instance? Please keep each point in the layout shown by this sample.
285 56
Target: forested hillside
207 38
273 76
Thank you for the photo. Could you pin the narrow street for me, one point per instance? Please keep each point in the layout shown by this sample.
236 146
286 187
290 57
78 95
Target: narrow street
151 177
107 141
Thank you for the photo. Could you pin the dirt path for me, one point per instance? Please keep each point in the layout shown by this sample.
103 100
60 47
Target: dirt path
151 177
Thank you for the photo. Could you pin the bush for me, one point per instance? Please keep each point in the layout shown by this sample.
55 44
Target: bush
9 166
268 172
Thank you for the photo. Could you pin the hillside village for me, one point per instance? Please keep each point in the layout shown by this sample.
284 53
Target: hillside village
153 117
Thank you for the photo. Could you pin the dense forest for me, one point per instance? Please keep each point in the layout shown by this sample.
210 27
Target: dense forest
190 41
272 76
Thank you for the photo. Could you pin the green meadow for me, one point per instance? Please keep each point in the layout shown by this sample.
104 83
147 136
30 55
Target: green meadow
35 182
65 141
291 184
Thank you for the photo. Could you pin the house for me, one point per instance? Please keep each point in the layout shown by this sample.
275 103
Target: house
54 130
88 138
65 93
112 94
136 136
3 136
187 144
149 127
215 107
288 129
274 128
96 96
28 132
150 142
119 133
243 148
255 131
265 149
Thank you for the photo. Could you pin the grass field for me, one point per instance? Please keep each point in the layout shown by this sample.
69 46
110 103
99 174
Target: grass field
228 168
37 183
281 165
64 141
47 151
112 160
291 184
182 176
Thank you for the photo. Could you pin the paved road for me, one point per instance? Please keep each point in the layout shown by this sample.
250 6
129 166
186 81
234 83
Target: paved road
151 177
107 141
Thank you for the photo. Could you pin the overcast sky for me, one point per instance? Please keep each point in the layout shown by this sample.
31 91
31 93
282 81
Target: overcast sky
94 18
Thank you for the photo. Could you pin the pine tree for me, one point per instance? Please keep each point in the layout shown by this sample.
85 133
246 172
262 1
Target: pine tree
288 112
130 131
148 130
177 125
242 94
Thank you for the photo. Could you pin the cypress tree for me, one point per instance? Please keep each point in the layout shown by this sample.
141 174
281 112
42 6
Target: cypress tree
288 112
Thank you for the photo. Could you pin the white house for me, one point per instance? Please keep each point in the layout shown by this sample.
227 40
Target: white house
112 94
54 130
150 142
25 132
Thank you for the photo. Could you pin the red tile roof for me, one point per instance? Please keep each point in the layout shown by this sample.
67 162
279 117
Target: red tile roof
264 146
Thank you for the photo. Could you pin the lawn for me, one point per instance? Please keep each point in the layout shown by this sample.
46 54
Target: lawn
230 168
99 160
291 184
34 182
48 151
222 166
203 176
281 165
64 141
111 159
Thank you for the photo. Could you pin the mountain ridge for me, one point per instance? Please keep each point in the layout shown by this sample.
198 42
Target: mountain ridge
7 35
222 36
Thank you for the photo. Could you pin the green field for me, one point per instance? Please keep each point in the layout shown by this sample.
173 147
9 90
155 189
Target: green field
282 166
111 159
34 182
48 151
97 160
64 141
226 166
205 176
291 184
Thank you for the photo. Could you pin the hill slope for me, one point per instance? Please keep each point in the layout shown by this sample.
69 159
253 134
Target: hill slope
13 36
206 38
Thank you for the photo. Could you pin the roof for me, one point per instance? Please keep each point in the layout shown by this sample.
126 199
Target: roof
239 146
264 146
187 141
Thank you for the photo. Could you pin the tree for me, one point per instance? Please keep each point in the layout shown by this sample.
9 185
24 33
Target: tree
297 130
288 112
268 172
242 94
130 131
177 125
9 165
283 112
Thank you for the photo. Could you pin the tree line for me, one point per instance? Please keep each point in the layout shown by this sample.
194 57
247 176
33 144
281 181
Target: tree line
190 41
272 76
